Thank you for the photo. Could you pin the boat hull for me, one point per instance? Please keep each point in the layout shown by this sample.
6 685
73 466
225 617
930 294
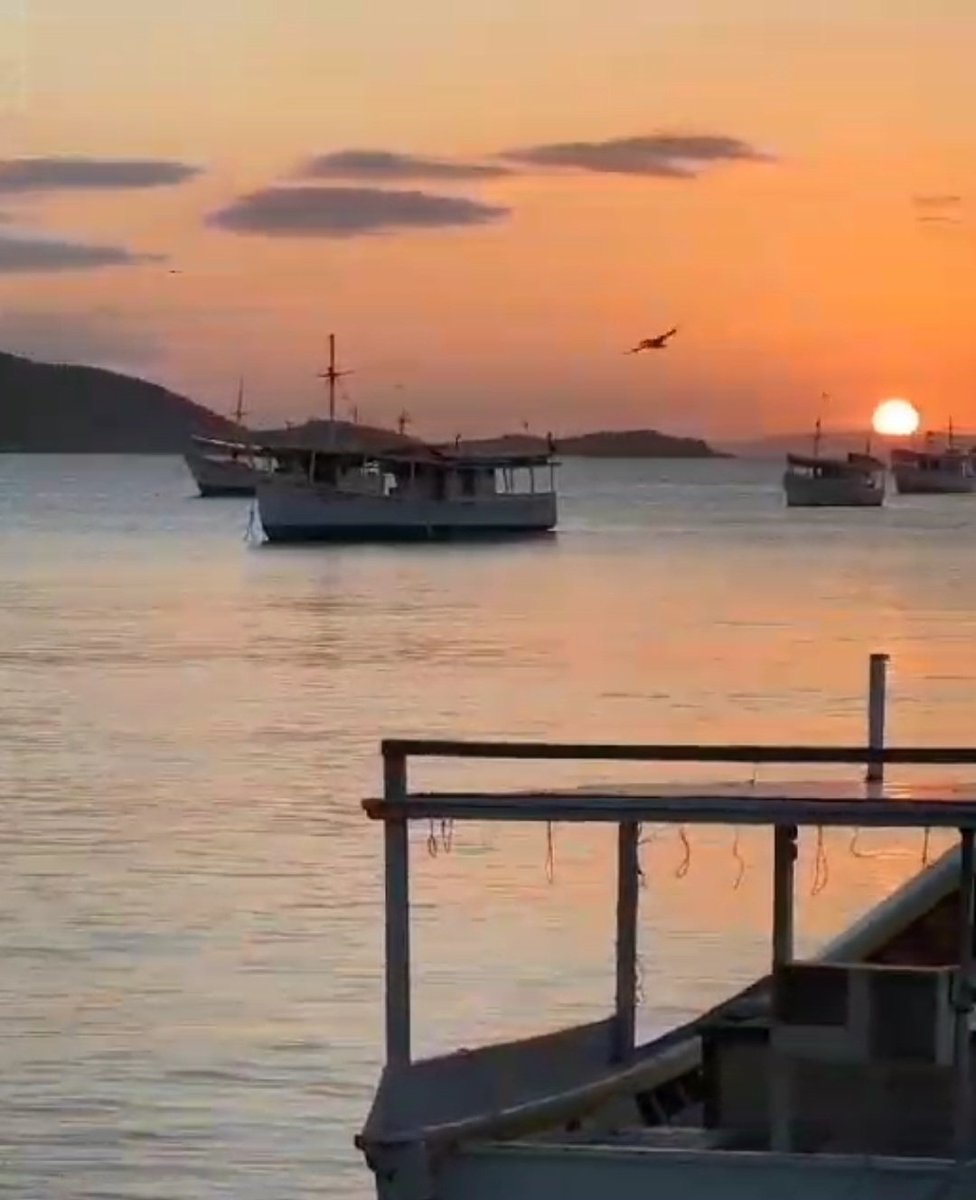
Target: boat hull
221 477
804 492
297 512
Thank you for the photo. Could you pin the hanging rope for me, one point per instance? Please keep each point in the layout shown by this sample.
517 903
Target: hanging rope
685 863
737 855
550 854
447 834
821 871
925 846
432 840
643 839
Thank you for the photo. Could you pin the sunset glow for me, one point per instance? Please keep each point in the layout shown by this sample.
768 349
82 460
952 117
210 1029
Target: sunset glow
896 418
487 206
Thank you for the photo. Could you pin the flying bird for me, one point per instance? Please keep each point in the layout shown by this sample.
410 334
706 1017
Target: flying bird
654 343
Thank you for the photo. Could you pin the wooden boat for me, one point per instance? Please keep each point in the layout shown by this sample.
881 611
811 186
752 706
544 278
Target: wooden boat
406 493
857 481
223 467
847 1075
820 481
933 472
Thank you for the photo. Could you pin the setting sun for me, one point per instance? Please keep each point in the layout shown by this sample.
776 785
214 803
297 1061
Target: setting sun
896 418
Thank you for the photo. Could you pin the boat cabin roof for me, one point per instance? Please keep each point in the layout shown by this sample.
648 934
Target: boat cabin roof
853 462
420 455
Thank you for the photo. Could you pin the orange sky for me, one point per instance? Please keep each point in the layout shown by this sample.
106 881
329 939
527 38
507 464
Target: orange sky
787 278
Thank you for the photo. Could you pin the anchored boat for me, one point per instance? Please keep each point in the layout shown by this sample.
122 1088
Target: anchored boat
418 492
857 481
221 467
847 1074
820 481
949 471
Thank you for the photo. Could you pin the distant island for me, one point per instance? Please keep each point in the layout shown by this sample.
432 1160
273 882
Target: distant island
48 408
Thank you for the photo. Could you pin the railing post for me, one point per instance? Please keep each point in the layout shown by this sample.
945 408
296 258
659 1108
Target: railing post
628 879
397 888
784 866
877 701
962 999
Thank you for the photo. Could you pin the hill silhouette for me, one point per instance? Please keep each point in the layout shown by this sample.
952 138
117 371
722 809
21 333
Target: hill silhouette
60 409
64 409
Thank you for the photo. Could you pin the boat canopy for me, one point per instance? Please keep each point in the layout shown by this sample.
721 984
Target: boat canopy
419 455
853 462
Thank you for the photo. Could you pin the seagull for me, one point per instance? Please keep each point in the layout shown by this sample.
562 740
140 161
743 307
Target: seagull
655 343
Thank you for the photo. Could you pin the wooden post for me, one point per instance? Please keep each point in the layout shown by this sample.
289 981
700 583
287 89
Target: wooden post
963 999
784 862
877 700
628 872
397 874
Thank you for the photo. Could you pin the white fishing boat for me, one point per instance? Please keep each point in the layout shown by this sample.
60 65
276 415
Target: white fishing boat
404 493
222 467
821 481
410 491
850 1073
949 471
857 481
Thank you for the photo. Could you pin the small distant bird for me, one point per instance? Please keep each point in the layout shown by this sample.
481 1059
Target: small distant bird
654 343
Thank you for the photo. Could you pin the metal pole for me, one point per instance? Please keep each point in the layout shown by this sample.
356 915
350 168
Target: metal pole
784 862
397 864
962 999
877 699
628 835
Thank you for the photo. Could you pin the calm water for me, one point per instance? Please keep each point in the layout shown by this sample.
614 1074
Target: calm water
189 900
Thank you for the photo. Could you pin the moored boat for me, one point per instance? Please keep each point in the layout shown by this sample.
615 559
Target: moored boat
222 467
816 481
410 493
820 481
848 1073
949 471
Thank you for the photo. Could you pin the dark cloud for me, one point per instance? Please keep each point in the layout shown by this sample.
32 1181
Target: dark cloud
388 164
24 254
665 155
936 201
340 212
69 174
102 337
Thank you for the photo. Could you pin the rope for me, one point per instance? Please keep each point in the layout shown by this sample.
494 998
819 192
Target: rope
550 854
821 871
685 863
737 855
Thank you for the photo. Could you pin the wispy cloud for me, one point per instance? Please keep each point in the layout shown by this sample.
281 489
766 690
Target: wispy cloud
392 165
341 212
27 254
662 155
940 201
76 173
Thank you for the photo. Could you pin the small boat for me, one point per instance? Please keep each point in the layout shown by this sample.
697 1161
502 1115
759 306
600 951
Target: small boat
349 492
820 481
221 467
815 481
406 493
949 471
848 1073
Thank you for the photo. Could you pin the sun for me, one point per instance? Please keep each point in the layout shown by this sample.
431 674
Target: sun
895 418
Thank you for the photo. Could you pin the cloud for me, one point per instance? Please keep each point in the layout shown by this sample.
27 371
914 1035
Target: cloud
388 164
74 173
663 155
103 337
340 212
936 200
25 254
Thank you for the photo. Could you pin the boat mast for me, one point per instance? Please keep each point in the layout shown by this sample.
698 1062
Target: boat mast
331 375
239 410
816 439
